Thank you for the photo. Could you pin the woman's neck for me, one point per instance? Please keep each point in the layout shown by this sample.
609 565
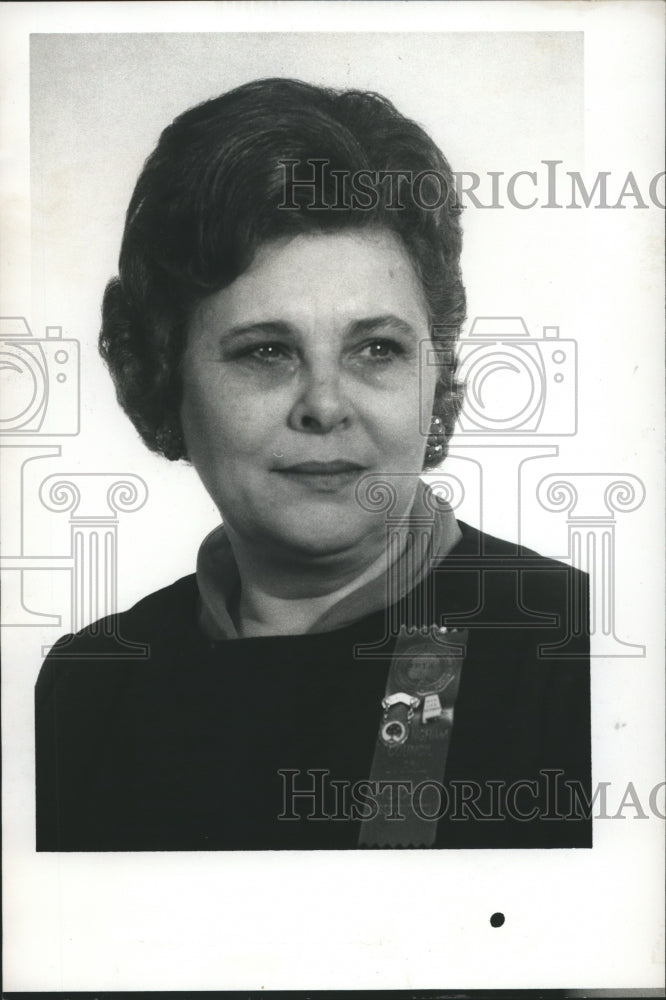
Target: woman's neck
286 596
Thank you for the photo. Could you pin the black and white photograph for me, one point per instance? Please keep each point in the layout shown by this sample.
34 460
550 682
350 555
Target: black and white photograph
332 477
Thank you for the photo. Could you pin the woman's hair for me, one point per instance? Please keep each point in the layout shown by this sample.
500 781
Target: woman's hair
219 185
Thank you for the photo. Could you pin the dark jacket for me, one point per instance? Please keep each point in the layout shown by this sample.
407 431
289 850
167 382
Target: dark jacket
150 736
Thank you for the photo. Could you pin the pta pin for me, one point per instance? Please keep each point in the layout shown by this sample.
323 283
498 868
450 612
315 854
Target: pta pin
432 708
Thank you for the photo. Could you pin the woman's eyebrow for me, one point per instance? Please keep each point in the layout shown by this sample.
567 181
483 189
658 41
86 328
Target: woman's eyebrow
275 328
380 324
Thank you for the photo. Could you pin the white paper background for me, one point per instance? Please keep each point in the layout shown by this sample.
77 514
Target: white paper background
500 87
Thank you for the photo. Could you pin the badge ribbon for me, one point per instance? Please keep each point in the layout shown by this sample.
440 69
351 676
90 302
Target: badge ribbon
414 737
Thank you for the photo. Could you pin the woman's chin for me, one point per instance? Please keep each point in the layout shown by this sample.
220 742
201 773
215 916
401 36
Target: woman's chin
316 537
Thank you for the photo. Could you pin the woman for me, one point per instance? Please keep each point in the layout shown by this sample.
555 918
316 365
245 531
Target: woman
349 666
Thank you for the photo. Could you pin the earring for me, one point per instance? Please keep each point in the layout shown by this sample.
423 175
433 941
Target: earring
435 449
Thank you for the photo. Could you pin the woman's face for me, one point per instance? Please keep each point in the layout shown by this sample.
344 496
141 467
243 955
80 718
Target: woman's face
301 377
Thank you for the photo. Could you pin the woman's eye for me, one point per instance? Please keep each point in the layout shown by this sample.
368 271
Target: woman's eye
381 350
268 352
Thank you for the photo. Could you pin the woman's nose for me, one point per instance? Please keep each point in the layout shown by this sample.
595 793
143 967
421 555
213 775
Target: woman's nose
322 404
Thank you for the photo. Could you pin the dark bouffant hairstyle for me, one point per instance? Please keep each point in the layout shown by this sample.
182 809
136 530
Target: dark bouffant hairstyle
209 196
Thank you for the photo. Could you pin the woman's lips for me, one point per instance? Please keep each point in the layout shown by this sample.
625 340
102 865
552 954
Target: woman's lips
323 468
326 477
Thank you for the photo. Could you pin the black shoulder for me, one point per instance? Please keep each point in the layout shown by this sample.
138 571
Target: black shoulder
513 582
165 611
476 543
163 618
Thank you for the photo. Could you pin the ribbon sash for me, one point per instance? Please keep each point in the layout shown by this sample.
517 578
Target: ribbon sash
413 739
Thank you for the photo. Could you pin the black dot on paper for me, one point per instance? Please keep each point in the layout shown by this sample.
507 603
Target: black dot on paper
497 920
